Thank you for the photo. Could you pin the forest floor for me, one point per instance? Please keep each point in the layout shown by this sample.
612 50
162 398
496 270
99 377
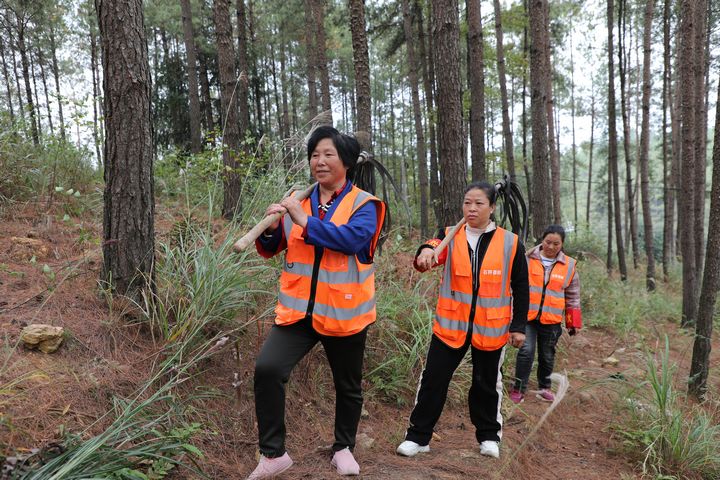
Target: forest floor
105 355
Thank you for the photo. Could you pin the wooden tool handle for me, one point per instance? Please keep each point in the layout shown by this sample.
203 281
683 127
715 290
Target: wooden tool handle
263 225
448 238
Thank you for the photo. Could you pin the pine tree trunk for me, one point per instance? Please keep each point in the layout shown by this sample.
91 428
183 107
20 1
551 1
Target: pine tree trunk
427 67
590 156
553 143
539 72
506 125
446 54
33 76
702 346
189 37
702 59
243 88
645 149
417 117
19 91
668 191
228 111
311 52
285 126
572 117
96 98
206 104
128 216
612 146
56 75
7 82
26 76
526 55
321 58
476 80
361 59
45 90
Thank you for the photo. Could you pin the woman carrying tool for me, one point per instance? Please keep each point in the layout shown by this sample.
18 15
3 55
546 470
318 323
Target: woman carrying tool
327 295
482 306
554 291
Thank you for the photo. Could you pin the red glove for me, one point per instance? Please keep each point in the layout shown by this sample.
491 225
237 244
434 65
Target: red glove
573 320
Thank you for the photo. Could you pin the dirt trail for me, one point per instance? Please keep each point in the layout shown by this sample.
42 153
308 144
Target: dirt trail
102 356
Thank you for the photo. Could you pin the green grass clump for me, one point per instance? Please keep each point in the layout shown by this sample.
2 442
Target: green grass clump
670 437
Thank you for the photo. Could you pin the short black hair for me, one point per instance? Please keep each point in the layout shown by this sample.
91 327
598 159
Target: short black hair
486 187
348 147
557 229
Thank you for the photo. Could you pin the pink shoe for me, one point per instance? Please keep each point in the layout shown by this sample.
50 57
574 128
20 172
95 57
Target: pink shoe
345 463
270 467
546 395
516 396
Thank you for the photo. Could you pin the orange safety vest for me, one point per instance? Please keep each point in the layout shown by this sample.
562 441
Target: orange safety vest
548 299
493 306
345 293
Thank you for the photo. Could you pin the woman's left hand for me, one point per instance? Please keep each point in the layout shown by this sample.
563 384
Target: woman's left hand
516 339
295 210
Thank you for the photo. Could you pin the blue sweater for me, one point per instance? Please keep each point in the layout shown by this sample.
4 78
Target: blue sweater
353 238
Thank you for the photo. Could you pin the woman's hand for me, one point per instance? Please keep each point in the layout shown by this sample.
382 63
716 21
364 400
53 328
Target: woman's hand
426 260
295 210
516 339
272 209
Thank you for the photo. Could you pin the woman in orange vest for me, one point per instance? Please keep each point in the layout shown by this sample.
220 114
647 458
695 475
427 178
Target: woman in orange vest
482 306
327 295
554 291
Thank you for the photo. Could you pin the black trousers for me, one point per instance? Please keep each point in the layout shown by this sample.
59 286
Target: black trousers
483 399
282 350
545 337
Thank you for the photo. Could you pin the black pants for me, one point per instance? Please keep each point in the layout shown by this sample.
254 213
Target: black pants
545 336
483 399
282 350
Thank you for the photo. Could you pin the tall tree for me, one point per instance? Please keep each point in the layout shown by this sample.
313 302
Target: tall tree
56 75
228 111
446 53
96 95
645 149
318 7
191 65
688 77
590 155
553 142
476 77
668 191
506 125
417 115
702 60
700 366
539 73
128 225
243 90
19 25
572 117
361 61
612 145
311 59
8 84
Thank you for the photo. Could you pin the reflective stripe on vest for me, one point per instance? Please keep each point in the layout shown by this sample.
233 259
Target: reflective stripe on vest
493 305
344 301
552 306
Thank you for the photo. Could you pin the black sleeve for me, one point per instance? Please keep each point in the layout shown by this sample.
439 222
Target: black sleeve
520 290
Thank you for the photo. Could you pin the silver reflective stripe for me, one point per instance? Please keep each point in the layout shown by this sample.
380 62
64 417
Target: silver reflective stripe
494 302
570 270
553 293
344 313
490 331
446 286
352 275
300 304
361 196
546 309
534 289
449 324
507 262
287 226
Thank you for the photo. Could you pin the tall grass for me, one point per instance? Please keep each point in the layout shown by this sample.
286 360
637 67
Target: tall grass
671 437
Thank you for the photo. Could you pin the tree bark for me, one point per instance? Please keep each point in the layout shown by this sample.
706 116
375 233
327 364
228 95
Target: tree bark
688 71
668 191
33 76
43 77
572 118
20 31
590 156
191 65
417 117
205 92
506 125
539 72
526 55
19 91
361 60
311 53
7 82
96 98
476 78
645 149
128 216
700 365
243 89
229 111
321 58
612 146
56 75
702 60
553 143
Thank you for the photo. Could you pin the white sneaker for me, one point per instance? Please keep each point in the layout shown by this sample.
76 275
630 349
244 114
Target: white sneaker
410 449
490 448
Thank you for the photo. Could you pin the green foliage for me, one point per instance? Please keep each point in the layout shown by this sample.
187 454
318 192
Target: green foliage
671 437
27 171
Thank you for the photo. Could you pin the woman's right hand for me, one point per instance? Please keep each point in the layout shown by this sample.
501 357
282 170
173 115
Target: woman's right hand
426 259
272 209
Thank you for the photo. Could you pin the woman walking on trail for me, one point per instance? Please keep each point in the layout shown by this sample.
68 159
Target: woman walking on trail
327 295
554 290
482 306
